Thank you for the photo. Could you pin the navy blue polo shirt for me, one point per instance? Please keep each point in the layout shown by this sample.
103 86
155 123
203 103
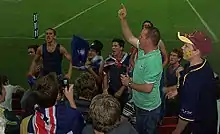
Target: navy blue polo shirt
197 99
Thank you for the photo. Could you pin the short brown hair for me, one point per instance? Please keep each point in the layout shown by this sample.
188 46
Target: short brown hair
154 35
179 53
46 89
85 86
105 113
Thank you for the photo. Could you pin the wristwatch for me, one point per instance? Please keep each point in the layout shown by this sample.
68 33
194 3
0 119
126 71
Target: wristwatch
129 84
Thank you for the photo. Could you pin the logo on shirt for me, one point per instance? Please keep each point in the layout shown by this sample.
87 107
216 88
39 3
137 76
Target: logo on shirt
141 67
186 111
81 51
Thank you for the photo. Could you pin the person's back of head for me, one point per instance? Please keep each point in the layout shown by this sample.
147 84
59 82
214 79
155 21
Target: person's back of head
85 90
85 86
61 117
154 35
105 113
46 90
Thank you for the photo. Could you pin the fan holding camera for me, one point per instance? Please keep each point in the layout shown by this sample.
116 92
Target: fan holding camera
52 115
63 84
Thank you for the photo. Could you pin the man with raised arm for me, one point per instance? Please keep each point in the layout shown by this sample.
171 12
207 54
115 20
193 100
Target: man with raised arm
146 76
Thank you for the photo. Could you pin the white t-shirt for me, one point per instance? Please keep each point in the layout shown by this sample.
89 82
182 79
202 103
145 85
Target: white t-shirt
9 89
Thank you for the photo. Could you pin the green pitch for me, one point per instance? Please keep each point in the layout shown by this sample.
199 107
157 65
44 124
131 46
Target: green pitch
97 19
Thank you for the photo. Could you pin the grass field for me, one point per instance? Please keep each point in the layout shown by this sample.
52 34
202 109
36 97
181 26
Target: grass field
97 19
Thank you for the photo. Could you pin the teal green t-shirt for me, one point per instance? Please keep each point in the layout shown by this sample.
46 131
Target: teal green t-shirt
148 69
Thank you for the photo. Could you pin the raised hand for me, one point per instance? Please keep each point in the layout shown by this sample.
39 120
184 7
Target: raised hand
122 12
69 93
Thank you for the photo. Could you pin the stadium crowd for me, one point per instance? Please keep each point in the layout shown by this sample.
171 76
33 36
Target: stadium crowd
126 93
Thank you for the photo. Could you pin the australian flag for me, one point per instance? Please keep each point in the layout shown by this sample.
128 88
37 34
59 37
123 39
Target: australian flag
79 48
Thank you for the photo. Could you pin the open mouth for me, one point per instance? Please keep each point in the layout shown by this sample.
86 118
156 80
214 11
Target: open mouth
113 52
172 60
48 38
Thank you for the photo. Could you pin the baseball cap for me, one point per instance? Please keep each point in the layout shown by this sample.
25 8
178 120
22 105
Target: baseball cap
96 45
199 40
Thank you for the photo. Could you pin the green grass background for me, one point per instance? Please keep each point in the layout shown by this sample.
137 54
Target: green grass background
101 23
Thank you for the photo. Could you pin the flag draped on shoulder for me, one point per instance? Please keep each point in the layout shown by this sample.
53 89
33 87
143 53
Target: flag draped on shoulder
58 119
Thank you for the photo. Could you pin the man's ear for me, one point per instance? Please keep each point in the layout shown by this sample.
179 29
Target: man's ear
121 48
196 52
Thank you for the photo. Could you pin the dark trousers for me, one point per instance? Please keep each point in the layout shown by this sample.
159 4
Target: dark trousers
147 121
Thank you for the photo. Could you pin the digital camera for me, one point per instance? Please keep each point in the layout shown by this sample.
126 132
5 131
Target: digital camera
64 82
